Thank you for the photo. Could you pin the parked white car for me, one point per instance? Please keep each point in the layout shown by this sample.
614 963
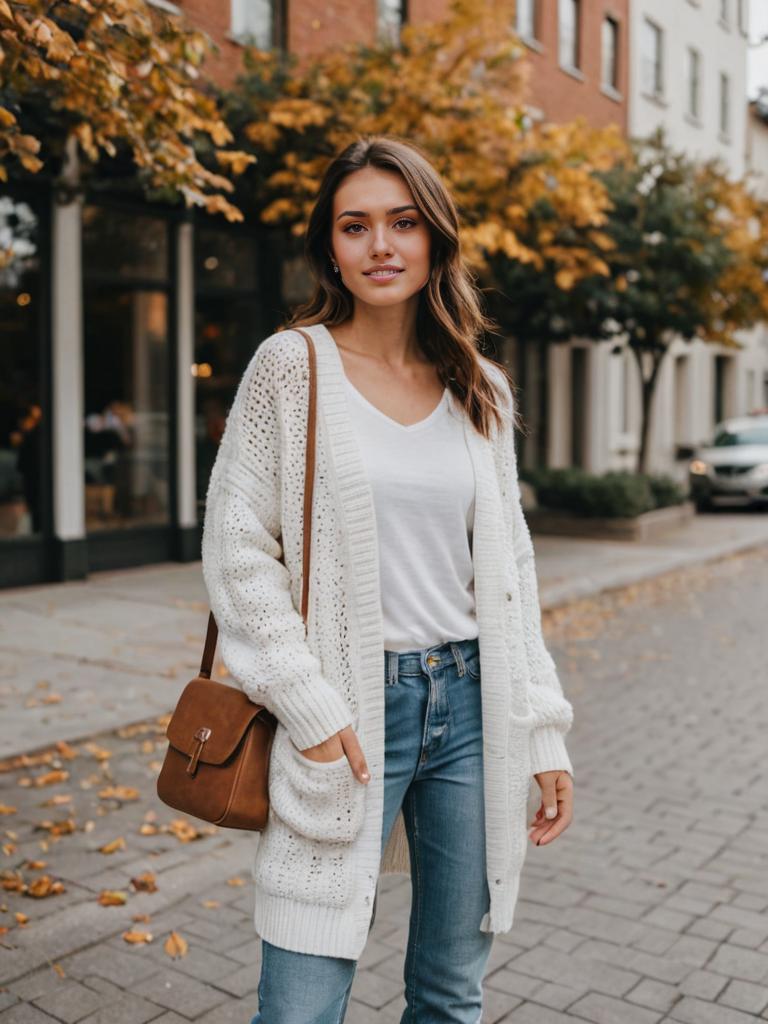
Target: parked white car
733 470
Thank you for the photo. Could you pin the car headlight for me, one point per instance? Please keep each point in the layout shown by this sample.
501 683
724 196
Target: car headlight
699 467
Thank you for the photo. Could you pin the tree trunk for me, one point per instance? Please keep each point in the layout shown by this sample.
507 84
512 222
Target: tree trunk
647 391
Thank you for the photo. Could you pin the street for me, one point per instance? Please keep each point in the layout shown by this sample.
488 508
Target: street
651 907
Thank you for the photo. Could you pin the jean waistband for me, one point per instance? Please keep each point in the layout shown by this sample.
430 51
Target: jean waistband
426 659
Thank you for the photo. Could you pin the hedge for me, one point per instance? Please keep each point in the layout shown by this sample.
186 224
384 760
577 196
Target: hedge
616 493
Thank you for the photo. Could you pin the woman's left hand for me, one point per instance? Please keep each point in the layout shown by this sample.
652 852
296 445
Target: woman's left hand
557 795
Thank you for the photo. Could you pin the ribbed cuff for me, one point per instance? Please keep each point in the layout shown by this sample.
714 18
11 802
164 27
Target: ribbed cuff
548 751
310 712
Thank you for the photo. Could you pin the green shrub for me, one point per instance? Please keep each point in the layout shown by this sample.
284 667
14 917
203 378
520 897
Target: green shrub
616 493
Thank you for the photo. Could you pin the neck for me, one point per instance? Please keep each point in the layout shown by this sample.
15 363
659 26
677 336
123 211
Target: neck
386 334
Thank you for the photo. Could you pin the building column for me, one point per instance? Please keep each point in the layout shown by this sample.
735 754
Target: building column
187 531
67 413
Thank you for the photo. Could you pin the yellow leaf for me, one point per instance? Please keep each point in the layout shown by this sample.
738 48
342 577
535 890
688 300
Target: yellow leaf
211 904
59 970
7 809
136 937
112 897
119 793
51 778
235 881
21 918
116 844
175 945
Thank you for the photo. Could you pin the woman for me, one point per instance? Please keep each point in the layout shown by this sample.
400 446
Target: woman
421 699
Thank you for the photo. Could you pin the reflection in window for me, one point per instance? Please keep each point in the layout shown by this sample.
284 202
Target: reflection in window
21 407
391 16
526 18
651 59
568 33
126 428
229 324
610 53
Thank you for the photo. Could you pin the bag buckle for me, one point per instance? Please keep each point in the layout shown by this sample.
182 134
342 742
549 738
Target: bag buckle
202 734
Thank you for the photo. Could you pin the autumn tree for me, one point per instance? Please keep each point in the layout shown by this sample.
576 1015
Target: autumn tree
456 88
688 259
113 75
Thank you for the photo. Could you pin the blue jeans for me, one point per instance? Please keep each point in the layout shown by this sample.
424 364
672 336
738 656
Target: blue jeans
434 771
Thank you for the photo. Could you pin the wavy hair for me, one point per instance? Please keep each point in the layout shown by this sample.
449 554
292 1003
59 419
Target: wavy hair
450 322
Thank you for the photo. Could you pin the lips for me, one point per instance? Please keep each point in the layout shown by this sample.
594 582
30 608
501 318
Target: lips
383 272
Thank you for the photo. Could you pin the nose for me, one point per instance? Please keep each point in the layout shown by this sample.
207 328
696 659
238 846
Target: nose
380 244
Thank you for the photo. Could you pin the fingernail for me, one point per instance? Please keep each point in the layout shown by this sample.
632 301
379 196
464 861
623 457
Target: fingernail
551 812
365 776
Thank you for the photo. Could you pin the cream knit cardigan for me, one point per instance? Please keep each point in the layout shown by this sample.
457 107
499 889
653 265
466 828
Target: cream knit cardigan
318 860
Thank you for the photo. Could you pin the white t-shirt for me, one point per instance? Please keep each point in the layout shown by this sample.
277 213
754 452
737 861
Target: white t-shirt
424 494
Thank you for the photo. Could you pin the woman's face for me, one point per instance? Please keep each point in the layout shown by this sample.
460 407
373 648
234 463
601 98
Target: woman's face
377 225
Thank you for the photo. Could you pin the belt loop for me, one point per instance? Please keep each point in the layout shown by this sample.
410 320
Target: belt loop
458 658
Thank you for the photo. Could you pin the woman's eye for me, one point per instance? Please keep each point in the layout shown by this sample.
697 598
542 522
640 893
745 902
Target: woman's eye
406 220
348 230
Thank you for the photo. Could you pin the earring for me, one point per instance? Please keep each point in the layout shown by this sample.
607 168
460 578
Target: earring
335 268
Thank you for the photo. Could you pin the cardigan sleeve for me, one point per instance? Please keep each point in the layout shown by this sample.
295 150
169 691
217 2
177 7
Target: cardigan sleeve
553 713
261 634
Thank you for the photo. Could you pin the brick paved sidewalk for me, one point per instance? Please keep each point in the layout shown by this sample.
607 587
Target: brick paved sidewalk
651 908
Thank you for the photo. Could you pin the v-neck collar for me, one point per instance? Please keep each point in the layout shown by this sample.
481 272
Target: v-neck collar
407 428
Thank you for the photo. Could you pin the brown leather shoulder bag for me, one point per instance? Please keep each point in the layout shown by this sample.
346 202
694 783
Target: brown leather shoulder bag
217 761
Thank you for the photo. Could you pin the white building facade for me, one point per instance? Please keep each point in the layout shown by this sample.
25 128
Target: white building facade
687 73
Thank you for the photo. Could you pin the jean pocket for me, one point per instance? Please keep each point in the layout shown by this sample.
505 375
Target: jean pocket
321 800
472 665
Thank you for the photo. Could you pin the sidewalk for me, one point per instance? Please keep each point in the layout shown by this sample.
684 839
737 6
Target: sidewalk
80 658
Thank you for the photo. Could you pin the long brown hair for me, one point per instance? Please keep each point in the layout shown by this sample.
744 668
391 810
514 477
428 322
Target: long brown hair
450 322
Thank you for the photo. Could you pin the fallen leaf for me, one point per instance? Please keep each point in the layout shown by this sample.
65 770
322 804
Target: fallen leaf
211 904
44 886
9 848
112 898
146 918
59 828
59 970
136 937
175 945
36 865
116 844
145 882
52 698
65 750
100 753
7 809
184 830
119 793
148 830
235 881
51 778
21 919
12 881
58 799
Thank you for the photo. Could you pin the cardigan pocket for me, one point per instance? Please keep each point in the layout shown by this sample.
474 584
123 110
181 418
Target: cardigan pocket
321 800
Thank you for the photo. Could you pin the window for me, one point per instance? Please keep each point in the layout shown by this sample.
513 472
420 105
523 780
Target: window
23 409
568 29
260 22
725 103
693 82
527 19
652 70
724 5
742 16
610 53
392 15
127 365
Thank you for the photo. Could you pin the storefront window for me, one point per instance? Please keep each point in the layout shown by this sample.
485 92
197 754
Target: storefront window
228 328
125 327
22 427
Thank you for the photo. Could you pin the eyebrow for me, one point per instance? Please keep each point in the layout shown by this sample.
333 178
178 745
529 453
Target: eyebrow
362 213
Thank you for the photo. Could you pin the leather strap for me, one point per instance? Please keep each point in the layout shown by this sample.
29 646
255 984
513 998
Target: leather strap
212 634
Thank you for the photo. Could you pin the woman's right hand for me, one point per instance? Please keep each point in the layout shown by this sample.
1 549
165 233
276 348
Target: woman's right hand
343 742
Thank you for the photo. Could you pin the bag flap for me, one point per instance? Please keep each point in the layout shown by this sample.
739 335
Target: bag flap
226 711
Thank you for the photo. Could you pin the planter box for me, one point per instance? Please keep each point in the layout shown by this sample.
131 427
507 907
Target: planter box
643 527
